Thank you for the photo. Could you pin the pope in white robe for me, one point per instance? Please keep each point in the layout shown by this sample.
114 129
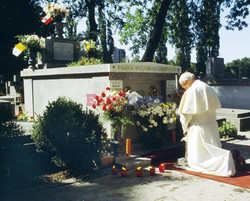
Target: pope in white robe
197 115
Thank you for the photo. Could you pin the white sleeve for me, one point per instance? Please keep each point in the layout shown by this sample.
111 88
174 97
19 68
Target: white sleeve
185 120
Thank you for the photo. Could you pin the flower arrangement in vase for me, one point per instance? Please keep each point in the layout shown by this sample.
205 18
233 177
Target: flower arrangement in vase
33 43
111 105
154 118
56 11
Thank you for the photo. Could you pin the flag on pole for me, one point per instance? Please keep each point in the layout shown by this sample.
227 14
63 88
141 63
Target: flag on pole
18 49
47 19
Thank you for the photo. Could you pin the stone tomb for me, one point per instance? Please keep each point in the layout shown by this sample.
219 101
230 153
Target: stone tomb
82 83
239 117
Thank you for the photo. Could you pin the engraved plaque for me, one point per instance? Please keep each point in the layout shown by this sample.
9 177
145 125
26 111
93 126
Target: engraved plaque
63 51
170 86
116 85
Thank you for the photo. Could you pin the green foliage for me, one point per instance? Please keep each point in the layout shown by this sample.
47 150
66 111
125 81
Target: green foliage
207 24
238 13
242 64
70 136
228 129
181 34
84 61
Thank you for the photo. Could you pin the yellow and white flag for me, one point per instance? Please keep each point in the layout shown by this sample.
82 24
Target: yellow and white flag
18 49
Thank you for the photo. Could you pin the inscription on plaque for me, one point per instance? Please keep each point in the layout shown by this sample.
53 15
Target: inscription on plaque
63 51
116 85
170 88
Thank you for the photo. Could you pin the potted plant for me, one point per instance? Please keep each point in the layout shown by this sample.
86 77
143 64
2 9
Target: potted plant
227 130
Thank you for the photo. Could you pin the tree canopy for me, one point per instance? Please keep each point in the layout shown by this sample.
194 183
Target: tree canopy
144 25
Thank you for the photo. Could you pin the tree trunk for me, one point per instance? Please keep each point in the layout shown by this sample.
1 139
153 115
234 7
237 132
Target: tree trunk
92 22
156 33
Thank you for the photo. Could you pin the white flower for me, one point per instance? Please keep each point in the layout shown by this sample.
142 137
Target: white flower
171 120
155 124
151 126
145 129
165 120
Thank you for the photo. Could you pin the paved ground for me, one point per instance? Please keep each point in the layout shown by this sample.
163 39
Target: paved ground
170 185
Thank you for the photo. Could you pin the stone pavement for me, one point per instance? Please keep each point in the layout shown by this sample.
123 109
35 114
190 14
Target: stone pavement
170 185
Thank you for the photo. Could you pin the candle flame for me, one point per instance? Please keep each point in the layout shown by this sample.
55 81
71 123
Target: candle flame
114 167
123 168
150 167
138 168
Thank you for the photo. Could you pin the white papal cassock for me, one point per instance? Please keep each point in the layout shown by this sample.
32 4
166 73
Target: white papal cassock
203 147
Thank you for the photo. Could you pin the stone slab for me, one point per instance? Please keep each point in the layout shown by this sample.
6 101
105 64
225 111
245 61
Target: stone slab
232 113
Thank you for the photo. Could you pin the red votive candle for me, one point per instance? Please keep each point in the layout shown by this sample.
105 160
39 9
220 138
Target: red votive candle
139 172
162 167
152 171
124 172
114 170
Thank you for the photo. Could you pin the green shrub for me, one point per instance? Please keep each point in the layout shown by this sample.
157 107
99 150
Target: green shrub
70 136
228 129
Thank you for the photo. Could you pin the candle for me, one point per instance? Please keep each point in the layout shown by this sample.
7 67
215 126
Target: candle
152 171
115 170
162 167
139 172
128 146
124 172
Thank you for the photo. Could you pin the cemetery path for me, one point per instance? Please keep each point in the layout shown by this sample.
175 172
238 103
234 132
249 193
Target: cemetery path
170 185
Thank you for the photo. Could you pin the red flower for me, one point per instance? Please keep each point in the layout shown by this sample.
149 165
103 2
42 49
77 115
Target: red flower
94 106
114 98
55 9
98 103
175 95
31 117
83 61
119 93
103 94
20 112
16 116
108 101
104 108
107 88
169 96
109 108
124 94
96 97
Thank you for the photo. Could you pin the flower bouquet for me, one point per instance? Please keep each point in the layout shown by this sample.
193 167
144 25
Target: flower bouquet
33 43
56 11
111 105
154 119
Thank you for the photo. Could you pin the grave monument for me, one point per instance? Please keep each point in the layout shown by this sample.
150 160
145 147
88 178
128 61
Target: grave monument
82 83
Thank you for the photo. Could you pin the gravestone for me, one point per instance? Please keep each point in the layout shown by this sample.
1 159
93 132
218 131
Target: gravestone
60 52
238 117
215 67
